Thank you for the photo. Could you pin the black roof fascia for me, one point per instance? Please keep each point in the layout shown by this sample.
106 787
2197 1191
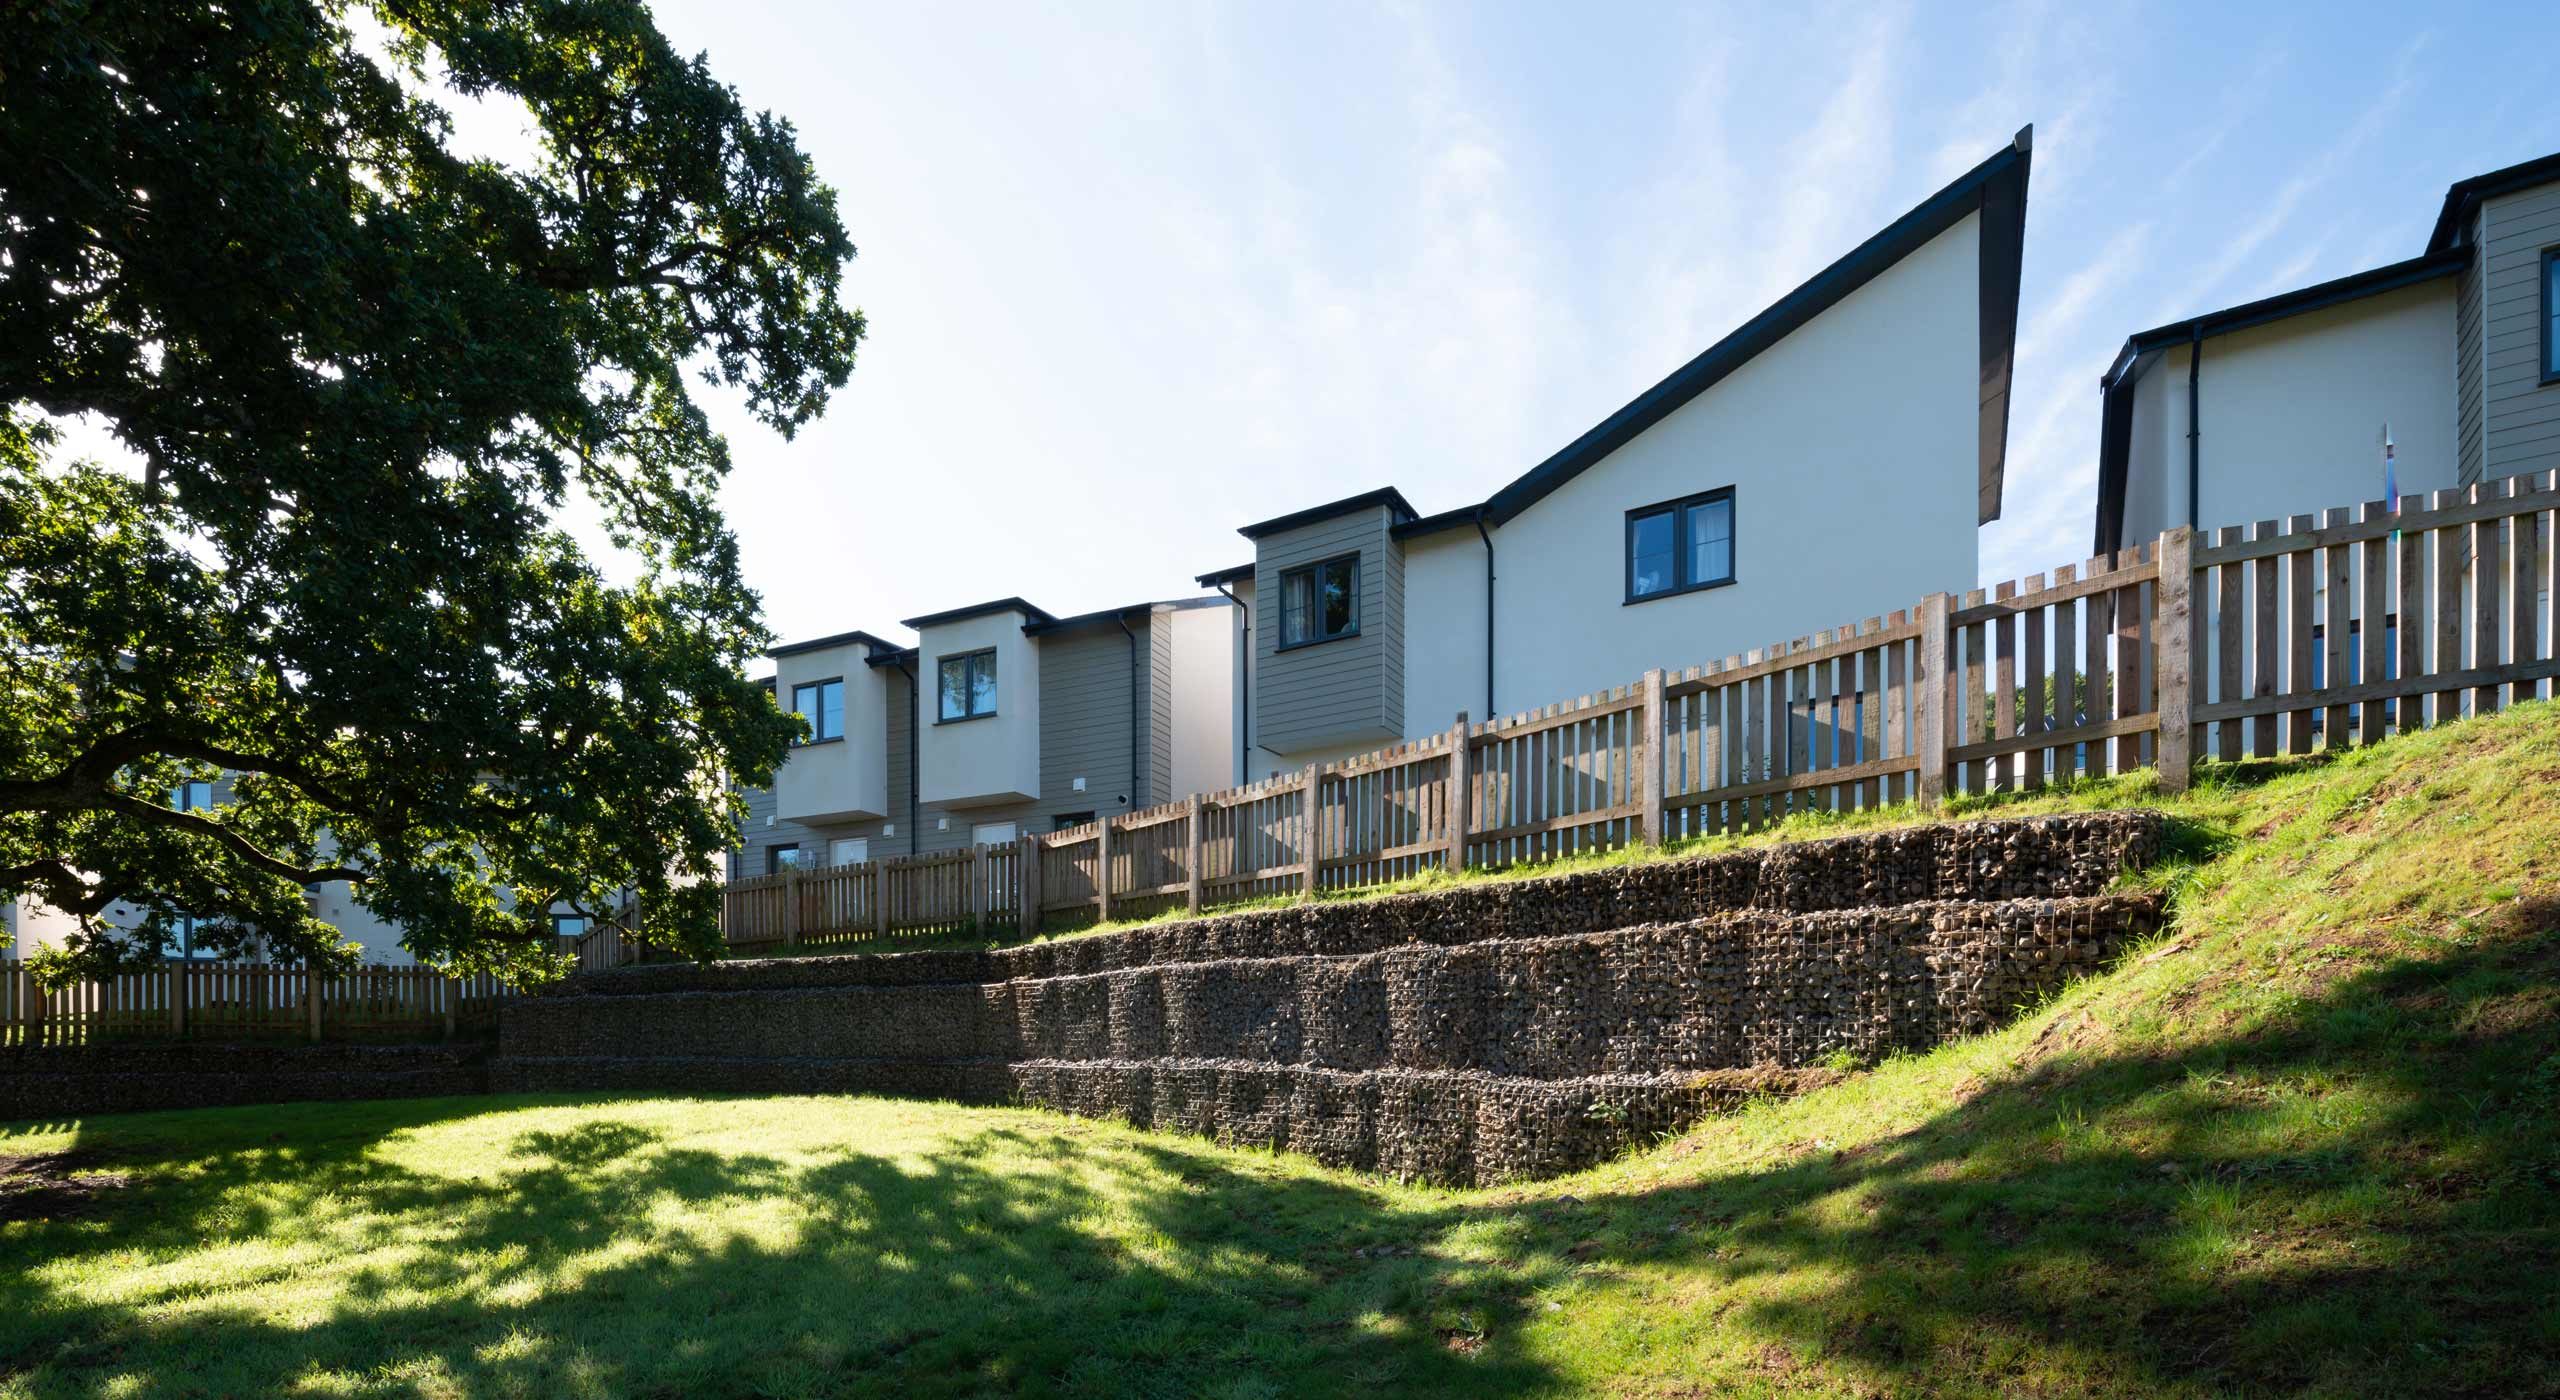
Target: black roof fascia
1233 574
2390 277
1997 187
1061 624
839 639
995 605
1387 496
895 656
2465 195
1457 519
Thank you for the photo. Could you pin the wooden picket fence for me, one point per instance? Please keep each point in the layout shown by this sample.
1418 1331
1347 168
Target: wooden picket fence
941 892
230 1000
2252 643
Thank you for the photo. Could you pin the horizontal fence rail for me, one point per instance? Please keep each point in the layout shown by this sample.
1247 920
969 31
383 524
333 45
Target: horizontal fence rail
2276 639
246 999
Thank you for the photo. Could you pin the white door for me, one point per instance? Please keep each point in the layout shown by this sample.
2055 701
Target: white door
849 850
992 833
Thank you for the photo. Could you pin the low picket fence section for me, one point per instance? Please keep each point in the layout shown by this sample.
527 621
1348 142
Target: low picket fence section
944 892
2251 643
237 999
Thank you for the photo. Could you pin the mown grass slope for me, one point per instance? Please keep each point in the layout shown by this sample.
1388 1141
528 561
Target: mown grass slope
2307 1142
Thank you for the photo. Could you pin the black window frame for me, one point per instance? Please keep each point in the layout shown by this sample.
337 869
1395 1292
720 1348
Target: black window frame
773 857
1677 509
815 737
969 691
585 926
1064 820
1315 571
2550 301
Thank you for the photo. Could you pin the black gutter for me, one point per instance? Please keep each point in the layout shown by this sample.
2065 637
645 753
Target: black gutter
1487 536
1131 800
1457 519
1387 496
1244 697
2463 196
839 639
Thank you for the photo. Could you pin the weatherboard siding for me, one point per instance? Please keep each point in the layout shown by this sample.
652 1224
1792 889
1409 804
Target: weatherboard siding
2470 369
1336 692
2522 414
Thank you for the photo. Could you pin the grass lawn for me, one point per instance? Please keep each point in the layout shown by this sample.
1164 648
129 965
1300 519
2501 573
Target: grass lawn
2307 1142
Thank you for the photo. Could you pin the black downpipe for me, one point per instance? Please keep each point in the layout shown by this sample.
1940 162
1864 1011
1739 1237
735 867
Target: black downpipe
1487 536
1131 800
1244 700
2195 449
915 752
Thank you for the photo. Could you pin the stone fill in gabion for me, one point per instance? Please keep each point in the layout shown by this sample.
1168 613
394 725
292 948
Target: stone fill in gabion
69 1081
1466 1035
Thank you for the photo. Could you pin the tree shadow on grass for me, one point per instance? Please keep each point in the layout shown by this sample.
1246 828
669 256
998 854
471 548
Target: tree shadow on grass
2356 1197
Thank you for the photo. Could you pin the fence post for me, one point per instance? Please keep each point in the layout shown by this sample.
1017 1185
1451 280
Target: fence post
1935 644
1102 867
1191 822
791 908
178 997
311 994
977 886
452 1005
1315 790
2174 633
1648 758
1026 884
1461 796
880 897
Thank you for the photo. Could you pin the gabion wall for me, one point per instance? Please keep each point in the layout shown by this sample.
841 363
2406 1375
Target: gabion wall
68 1081
1466 1035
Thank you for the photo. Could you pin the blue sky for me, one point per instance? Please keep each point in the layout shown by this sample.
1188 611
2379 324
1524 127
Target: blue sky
1139 275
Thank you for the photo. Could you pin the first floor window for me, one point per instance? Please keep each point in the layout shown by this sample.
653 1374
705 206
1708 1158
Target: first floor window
2551 314
968 685
568 926
191 797
1320 602
781 858
821 703
1680 545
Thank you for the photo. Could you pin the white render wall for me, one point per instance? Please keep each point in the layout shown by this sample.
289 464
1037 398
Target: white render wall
1204 700
1851 448
2292 413
981 762
1444 629
838 780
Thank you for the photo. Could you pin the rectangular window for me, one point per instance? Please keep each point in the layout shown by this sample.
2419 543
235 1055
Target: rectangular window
568 926
781 858
2551 315
182 943
1679 546
821 703
1065 820
992 834
968 685
849 850
1321 602
191 797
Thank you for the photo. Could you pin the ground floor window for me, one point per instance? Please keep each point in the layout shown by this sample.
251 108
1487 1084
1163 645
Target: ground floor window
849 850
781 858
992 834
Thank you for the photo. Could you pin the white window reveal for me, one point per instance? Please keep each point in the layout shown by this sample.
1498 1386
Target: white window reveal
1321 602
821 703
992 834
849 850
1680 546
968 685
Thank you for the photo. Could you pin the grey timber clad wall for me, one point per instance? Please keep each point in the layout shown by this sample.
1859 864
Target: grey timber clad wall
2521 414
2468 369
1157 783
1334 692
1085 693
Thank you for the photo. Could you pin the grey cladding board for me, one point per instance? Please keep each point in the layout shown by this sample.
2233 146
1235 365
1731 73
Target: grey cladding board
2520 414
1339 691
2469 371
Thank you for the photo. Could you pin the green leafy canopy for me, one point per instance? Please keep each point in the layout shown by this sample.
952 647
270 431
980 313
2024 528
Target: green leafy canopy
364 377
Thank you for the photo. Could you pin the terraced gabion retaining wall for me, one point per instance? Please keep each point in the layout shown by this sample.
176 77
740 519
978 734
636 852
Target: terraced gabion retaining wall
2036 858
57 1082
1465 1035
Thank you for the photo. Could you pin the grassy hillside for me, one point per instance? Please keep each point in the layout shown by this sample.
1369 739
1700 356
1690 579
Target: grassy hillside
2308 1141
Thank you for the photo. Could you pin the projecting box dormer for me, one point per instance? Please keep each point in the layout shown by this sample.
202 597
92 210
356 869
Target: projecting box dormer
839 772
979 745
